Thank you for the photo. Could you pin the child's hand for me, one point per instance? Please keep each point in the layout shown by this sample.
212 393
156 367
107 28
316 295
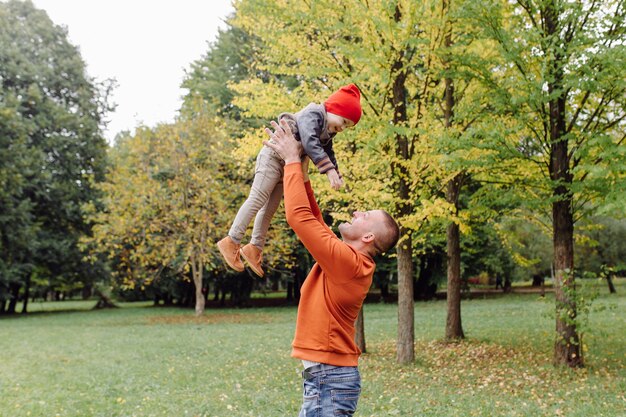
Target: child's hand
334 179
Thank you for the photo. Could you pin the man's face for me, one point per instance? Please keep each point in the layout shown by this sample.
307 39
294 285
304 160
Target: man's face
363 223
338 123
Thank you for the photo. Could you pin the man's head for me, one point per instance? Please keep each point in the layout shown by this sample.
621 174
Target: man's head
343 108
374 231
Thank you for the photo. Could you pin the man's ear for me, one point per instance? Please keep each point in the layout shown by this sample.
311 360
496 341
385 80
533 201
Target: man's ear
368 237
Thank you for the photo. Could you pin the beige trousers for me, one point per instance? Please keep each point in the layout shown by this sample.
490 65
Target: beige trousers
264 199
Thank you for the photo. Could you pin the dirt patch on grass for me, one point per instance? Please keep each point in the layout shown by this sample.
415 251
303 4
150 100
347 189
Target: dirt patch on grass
213 318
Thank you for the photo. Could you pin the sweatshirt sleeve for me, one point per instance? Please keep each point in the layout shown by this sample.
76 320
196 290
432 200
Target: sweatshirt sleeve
310 125
315 209
334 256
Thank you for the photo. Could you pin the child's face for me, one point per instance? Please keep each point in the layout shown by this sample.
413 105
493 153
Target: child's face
338 123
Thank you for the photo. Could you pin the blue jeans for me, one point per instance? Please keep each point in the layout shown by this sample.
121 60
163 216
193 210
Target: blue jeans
332 392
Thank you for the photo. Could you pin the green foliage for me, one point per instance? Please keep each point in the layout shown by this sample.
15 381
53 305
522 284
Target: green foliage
528 242
52 150
484 252
583 65
602 243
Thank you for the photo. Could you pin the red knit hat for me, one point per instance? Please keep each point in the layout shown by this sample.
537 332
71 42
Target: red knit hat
345 102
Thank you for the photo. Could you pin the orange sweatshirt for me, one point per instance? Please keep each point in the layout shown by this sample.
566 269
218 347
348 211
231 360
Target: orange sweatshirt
334 290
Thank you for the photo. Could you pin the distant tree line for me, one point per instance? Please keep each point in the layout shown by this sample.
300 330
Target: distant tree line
52 153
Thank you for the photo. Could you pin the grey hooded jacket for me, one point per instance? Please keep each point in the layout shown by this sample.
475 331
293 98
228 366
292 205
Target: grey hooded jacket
310 126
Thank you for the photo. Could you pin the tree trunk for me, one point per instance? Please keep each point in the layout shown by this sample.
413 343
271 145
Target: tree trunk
567 346
384 288
406 336
104 300
359 336
406 332
196 270
609 281
425 287
290 291
454 328
14 291
508 286
26 294
86 292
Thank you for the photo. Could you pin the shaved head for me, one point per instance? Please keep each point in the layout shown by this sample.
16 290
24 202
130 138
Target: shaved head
376 228
387 233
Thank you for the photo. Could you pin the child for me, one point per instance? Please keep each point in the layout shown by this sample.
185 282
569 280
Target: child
315 126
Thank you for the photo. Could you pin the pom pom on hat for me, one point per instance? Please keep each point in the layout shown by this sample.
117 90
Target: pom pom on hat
345 102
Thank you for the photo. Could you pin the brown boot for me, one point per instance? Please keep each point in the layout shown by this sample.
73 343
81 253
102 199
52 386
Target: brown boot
230 252
253 257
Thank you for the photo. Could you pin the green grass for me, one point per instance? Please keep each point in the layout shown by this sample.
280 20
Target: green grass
145 361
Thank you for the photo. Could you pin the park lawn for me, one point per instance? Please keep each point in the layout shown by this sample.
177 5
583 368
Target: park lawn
155 361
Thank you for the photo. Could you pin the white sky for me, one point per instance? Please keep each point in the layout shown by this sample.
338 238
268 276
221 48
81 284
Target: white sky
146 45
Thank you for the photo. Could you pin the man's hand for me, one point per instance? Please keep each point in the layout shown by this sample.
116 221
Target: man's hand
283 142
334 179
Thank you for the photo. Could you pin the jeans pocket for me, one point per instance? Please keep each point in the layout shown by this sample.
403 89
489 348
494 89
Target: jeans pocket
345 401
310 400
310 406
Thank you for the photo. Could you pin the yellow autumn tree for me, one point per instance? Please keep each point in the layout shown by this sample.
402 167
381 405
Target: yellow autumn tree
166 200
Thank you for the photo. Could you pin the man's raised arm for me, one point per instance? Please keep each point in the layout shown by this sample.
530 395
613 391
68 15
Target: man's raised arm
315 209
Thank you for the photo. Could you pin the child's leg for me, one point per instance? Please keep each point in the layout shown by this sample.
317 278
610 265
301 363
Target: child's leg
268 173
265 215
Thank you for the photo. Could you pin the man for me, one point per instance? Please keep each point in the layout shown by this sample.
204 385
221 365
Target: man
333 293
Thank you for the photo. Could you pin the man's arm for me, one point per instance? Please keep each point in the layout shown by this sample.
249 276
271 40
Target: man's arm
315 209
334 256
